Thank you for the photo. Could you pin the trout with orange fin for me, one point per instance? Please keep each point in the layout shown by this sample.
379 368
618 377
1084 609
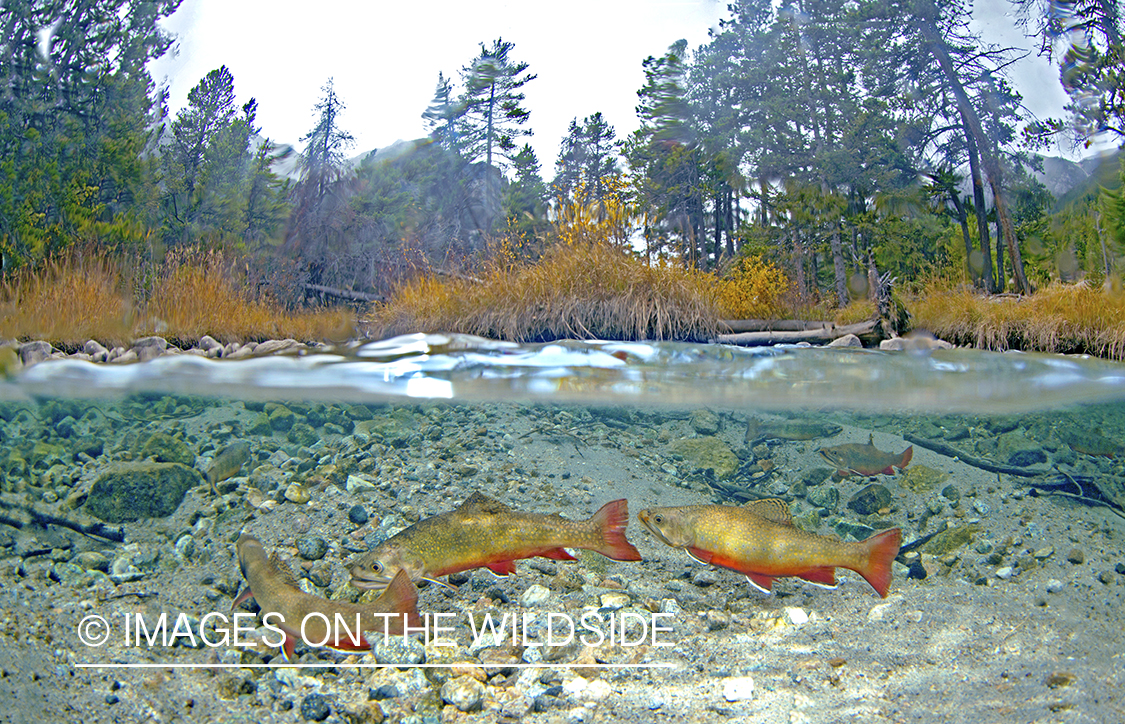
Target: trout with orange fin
485 533
761 542
865 459
339 624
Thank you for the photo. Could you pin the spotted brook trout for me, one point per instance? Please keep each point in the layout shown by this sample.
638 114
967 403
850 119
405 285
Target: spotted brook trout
761 542
487 533
340 624
865 459
227 463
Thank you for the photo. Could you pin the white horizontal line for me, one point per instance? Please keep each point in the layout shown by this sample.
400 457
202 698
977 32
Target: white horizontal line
665 665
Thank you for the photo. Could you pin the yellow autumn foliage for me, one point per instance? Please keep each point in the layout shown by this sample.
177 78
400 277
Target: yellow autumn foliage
752 289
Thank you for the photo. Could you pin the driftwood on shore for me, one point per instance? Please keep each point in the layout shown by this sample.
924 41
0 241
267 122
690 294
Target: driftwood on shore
344 293
825 332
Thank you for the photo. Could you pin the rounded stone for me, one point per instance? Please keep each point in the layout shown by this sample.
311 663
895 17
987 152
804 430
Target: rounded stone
357 514
311 547
315 707
738 688
535 595
464 692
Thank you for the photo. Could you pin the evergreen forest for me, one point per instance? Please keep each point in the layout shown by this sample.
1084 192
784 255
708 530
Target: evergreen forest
850 143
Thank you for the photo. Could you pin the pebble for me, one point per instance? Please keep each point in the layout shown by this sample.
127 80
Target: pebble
717 620
1054 585
796 616
1004 573
357 484
296 493
357 514
315 707
464 692
656 701
1044 553
535 595
738 688
614 601
311 547
1076 556
705 577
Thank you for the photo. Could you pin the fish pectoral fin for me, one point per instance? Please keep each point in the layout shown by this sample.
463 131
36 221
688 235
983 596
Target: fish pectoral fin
287 648
762 583
246 595
436 582
558 554
699 555
502 568
824 577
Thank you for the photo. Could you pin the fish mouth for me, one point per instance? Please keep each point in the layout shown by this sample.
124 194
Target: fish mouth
370 584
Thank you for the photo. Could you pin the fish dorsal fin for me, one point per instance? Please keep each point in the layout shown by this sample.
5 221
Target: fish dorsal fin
772 509
481 503
284 572
871 439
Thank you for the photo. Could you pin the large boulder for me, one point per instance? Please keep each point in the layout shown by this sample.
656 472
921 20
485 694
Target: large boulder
132 491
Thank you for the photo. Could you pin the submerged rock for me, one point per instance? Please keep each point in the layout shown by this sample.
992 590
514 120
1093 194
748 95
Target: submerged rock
132 491
871 499
163 448
708 453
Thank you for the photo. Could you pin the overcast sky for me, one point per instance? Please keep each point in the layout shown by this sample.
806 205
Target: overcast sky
385 57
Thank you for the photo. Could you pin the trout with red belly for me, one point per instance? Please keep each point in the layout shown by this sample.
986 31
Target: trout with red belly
865 459
761 542
485 533
338 624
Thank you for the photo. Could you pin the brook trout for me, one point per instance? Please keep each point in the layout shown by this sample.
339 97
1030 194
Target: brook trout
760 541
486 533
865 459
340 623
227 463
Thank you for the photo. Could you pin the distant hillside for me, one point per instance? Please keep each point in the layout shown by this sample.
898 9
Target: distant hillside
1099 171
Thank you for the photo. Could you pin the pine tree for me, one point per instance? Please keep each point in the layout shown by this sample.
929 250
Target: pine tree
443 114
493 117
525 198
588 156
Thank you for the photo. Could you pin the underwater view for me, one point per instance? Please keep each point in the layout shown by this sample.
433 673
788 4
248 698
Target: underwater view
474 531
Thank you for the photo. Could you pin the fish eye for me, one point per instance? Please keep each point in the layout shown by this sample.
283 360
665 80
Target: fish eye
377 567
658 518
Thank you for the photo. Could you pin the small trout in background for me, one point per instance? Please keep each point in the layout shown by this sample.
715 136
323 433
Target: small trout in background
486 533
761 542
788 430
275 590
227 463
865 459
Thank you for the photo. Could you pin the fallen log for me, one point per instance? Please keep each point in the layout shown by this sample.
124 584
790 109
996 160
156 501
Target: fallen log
344 293
734 326
826 334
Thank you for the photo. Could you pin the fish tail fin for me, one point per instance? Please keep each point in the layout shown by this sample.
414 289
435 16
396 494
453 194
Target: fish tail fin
906 456
401 597
610 522
880 551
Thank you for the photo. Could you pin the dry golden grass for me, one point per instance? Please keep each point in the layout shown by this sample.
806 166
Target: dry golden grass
1061 318
82 297
574 291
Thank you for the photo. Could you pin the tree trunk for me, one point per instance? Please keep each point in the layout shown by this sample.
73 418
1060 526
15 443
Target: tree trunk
799 263
839 266
982 219
1001 277
992 170
963 220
